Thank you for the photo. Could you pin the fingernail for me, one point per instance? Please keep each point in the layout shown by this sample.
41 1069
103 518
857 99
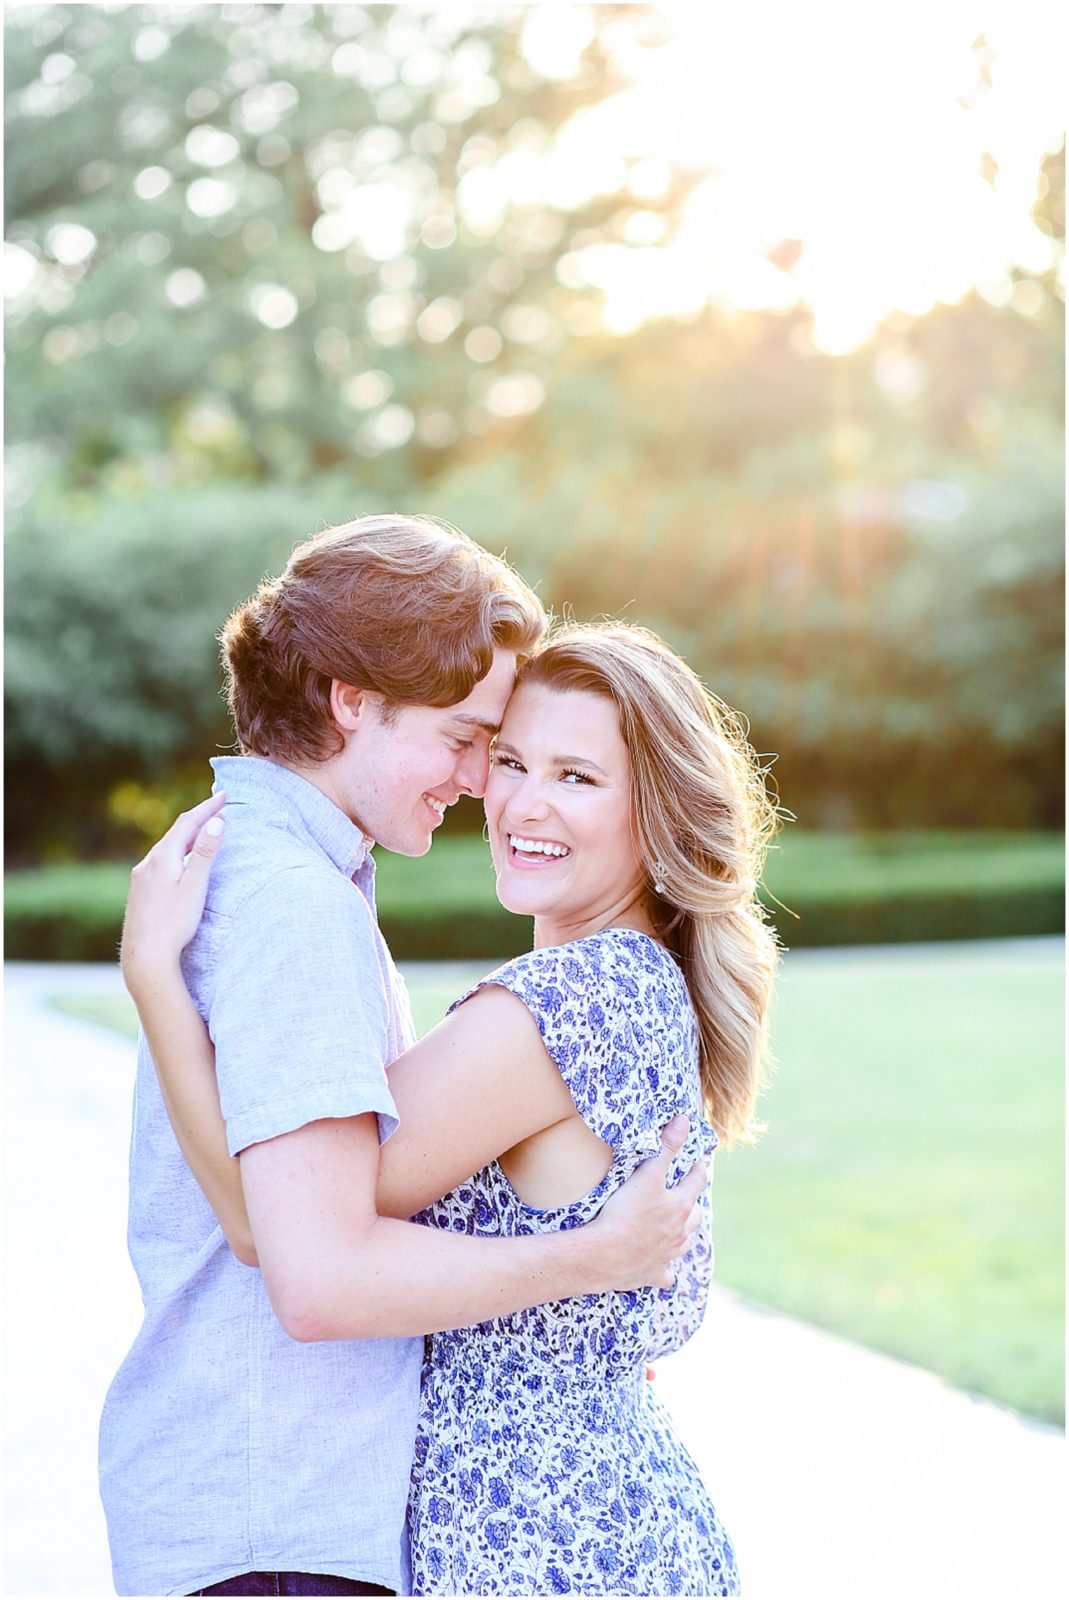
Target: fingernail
214 825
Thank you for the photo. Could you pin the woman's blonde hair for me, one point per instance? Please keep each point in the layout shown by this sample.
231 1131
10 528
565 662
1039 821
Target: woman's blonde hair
703 820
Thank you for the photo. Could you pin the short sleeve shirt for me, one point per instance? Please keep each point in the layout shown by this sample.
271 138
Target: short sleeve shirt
227 1447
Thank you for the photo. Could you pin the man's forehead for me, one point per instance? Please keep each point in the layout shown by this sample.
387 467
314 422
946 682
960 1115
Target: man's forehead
485 705
472 720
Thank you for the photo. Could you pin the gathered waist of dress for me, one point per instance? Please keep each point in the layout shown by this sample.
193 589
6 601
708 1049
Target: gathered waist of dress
471 1365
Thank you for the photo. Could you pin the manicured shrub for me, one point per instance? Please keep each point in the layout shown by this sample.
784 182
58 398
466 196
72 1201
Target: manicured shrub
829 889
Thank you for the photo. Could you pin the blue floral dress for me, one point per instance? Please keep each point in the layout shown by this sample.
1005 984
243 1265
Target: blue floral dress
545 1463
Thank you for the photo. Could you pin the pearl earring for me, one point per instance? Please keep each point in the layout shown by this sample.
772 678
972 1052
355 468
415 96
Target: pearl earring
658 876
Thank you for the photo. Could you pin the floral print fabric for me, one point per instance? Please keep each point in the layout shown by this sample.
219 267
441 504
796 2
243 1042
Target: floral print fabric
545 1463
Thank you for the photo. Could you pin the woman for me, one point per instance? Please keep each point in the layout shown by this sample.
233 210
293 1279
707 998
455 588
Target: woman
628 817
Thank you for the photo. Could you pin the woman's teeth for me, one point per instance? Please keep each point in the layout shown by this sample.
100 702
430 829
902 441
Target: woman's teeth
537 847
435 804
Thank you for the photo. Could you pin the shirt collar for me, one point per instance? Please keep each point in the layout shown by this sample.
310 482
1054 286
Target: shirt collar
246 778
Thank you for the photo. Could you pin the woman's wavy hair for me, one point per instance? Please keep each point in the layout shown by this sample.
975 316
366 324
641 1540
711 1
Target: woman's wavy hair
407 606
703 820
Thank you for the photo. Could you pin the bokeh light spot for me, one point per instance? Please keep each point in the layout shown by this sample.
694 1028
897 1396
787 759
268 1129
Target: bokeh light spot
439 320
70 244
209 197
369 389
151 182
207 146
185 288
483 344
273 305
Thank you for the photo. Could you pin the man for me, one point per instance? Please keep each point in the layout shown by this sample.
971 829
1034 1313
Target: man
254 1440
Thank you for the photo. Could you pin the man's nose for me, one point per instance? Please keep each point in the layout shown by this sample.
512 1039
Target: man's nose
472 771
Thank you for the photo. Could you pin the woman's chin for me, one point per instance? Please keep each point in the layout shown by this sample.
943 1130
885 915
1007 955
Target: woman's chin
513 903
517 897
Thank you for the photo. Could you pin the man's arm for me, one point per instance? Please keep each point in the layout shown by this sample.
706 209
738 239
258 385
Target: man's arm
335 1269
326 1253
303 1207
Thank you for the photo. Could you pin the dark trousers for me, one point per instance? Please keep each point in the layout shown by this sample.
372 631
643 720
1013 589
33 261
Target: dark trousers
291 1583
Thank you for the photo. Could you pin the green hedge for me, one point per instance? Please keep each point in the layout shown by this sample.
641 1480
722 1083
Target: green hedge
834 889
65 913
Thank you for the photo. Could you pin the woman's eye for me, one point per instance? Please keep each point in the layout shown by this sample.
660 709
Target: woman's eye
507 761
570 775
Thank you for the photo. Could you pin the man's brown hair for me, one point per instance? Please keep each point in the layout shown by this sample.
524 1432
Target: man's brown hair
406 606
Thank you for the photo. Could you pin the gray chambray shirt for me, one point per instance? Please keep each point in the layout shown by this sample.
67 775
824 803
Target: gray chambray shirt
225 1446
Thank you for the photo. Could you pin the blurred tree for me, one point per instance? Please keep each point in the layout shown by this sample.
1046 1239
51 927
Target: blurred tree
271 266
112 677
865 553
272 235
1048 213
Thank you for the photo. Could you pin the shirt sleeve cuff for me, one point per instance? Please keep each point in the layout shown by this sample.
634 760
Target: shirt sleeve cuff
312 1103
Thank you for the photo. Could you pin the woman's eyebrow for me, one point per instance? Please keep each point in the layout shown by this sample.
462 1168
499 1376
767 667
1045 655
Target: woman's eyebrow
579 761
556 761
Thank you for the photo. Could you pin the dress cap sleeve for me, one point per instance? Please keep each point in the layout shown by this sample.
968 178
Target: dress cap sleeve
613 1013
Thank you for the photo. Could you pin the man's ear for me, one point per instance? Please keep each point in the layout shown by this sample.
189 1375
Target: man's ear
347 704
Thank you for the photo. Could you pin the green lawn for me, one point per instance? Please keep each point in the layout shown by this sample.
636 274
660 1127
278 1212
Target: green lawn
909 1190
113 1011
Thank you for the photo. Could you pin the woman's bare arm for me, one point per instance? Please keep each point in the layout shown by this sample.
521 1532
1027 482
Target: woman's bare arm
166 900
479 1084
475 1087
185 1069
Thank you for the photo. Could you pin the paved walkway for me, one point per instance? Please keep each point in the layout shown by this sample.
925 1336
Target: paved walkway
840 1473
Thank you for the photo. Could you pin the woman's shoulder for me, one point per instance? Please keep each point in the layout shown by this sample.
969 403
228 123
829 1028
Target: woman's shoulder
635 970
587 979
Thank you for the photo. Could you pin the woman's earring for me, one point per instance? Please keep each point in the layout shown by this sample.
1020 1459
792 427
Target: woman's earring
658 876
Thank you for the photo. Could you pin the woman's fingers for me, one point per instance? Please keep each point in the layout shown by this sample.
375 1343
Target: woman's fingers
205 847
186 829
693 1184
168 854
167 892
645 1227
690 1188
673 1138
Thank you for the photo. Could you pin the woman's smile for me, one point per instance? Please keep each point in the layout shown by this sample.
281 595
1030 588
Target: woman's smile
531 854
559 809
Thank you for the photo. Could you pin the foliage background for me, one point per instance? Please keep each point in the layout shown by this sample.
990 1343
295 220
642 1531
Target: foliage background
271 266
264 275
